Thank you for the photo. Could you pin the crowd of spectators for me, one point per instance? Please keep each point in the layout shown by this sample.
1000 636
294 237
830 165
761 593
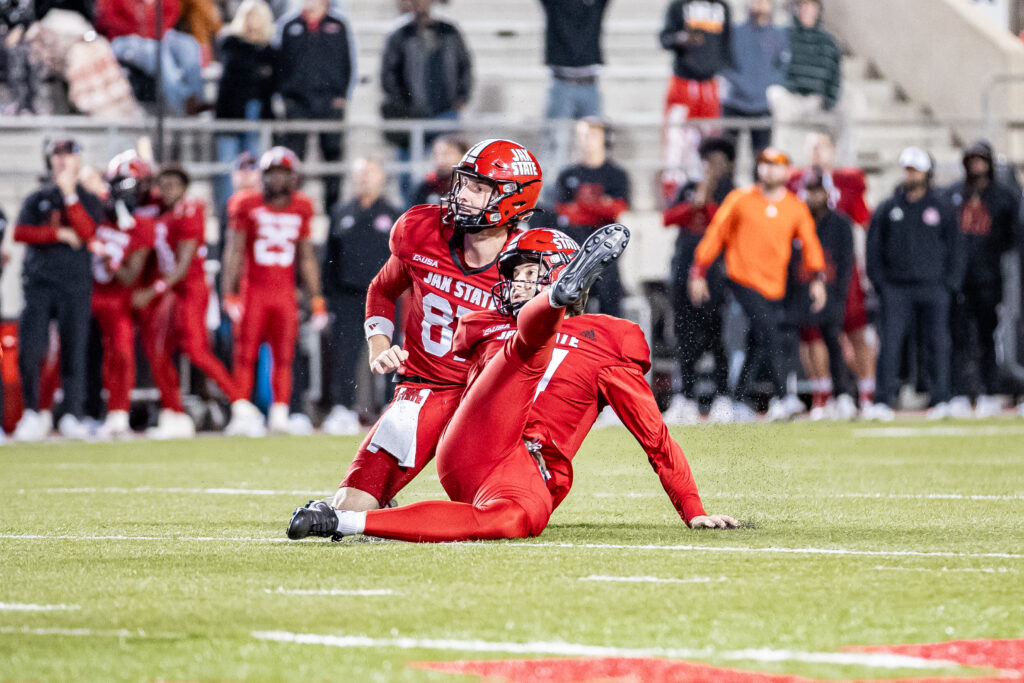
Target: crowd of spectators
788 251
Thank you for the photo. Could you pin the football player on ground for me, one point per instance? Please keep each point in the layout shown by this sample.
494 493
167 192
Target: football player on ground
537 382
446 255
270 231
179 290
120 248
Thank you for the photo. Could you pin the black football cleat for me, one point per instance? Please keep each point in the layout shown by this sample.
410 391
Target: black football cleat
316 519
602 247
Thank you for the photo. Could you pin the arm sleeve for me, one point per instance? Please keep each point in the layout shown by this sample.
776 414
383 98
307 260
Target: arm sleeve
391 72
834 84
672 26
956 261
873 258
844 262
814 255
464 80
32 227
387 285
711 245
630 397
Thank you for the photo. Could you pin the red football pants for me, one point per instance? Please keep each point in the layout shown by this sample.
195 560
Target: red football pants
495 485
156 324
267 317
378 472
194 341
113 313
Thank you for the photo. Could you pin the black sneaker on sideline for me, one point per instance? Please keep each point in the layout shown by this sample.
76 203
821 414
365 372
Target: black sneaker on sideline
603 246
316 519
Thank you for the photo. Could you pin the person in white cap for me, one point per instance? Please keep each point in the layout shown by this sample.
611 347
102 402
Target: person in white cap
915 262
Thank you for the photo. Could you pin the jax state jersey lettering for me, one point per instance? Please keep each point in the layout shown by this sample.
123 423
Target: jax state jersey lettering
597 360
271 236
443 290
185 221
111 246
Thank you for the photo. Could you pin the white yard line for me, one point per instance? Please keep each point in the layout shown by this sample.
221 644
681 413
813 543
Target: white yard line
366 592
944 570
910 432
822 496
865 659
25 607
535 546
153 489
652 579
119 633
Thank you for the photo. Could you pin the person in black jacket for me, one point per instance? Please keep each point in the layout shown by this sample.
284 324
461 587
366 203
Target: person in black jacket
987 211
572 51
592 193
915 262
699 328
56 222
315 76
246 84
357 247
819 332
426 73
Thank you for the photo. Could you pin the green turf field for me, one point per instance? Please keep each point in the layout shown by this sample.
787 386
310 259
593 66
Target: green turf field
148 561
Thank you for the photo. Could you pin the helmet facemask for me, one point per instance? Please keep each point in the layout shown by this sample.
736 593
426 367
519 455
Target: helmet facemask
473 219
511 294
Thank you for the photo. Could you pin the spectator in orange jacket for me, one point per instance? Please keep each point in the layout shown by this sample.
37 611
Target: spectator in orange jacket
755 227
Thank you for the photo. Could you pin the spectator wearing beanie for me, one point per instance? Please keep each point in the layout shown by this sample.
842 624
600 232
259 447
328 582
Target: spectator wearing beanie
699 328
316 75
759 49
699 34
987 211
915 262
812 77
246 85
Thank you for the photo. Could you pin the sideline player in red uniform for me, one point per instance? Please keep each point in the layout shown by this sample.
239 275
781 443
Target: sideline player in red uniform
270 231
180 294
120 248
535 388
446 255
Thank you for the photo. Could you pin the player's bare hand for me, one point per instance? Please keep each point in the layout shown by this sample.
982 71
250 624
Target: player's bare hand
389 360
713 522
69 237
698 289
818 296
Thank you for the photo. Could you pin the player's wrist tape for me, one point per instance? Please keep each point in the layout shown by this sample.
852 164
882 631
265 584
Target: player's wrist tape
379 325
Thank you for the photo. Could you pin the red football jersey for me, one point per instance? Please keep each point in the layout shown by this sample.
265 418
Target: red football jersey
598 360
424 259
271 236
111 246
185 221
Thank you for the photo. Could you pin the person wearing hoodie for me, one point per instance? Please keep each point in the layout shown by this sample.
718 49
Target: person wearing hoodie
987 210
915 262
759 48
812 78
699 34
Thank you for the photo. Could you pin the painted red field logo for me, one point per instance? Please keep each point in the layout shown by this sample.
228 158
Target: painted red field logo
1005 657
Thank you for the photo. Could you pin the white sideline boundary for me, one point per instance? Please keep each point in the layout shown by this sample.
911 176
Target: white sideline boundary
911 432
366 592
25 607
949 570
652 579
118 633
569 546
865 659
600 494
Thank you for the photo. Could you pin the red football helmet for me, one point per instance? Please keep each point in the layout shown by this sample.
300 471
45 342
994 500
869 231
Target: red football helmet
280 157
130 177
129 164
550 249
513 173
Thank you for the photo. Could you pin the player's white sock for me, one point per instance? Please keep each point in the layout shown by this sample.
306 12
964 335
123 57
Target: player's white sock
350 523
